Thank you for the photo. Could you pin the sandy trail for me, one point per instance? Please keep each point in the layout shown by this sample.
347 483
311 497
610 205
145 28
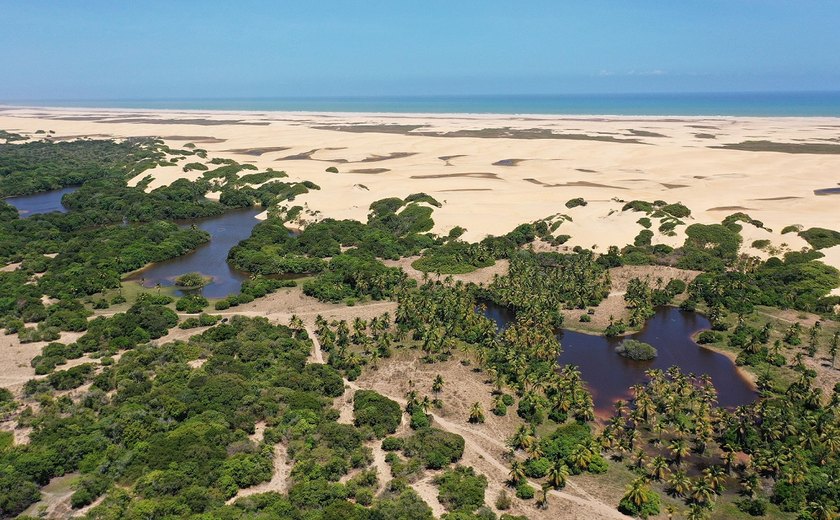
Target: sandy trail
474 442
279 480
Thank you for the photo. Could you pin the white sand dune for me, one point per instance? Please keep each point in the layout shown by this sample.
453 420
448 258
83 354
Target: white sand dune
491 184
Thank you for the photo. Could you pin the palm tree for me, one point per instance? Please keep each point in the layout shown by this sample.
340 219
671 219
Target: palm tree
517 473
821 511
716 477
638 492
679 483
679 449
658 468
542 500
476 413
581 457
437 385
558 474
702 492
697 512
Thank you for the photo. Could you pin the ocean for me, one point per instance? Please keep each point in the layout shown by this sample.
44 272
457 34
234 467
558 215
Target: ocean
650 104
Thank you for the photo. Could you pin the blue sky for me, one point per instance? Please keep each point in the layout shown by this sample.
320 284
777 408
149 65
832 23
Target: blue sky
247 48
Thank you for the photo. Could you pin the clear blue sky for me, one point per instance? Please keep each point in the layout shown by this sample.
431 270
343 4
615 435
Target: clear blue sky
118 49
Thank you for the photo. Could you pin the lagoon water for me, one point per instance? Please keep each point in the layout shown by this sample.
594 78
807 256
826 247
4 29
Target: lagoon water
609 375
210 259
44 202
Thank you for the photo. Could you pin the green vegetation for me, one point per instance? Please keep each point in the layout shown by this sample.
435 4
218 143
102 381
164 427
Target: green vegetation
43 166
539 285
192 280
709 247
379 413
573 203
461 489
636 350
793 228
191 303
195 166
821 238
181 434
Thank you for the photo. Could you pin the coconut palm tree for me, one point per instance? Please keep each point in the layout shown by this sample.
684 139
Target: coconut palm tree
542 500
437 384
702 492
679 484
658 468
679 448
557 474
476 413
638 492
517 473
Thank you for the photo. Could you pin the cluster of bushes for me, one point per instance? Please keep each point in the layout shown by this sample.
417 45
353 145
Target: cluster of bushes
636 350
709 247
573 203
175 438
192 280
373 410
202 320
191 303
252 289
820 238
460 489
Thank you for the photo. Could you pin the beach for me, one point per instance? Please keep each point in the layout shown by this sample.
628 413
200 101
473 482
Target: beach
493 172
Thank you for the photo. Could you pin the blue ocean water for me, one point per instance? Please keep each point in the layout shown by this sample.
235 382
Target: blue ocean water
654 104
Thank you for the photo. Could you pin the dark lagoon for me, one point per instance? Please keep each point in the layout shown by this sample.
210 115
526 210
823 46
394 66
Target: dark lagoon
609 376
210 259
45 202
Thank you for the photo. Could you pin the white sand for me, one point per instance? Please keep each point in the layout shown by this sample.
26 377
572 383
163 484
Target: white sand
776 188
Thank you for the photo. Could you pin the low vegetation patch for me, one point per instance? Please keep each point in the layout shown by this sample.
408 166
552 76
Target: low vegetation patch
636 350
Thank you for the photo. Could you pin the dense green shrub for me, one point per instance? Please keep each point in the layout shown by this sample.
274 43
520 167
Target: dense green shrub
676 210
525 491
191 303
378 412
573 203
435 448
460 489
709 336
192 280
636 350
821 238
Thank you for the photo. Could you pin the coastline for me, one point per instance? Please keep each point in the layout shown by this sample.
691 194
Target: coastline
569 116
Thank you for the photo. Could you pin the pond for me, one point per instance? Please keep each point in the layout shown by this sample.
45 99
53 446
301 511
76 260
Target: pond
44 202
210 259
609 376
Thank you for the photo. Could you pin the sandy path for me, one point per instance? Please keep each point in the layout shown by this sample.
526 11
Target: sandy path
279 480
475 441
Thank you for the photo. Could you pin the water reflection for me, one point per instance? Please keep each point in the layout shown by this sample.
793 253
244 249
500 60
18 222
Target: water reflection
45 202
210 259
609 375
